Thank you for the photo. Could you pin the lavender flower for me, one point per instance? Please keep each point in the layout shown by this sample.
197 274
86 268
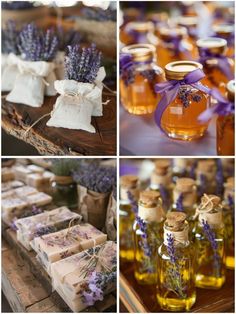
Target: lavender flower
35 45
186 95
82 64
17 5
192 170
144 243
13 224
10 38
164 195
230 201
179 203
98 14
203 184
171 248
133 202
219 178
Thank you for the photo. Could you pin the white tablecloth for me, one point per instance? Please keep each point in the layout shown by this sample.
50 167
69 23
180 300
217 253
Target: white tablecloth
140 136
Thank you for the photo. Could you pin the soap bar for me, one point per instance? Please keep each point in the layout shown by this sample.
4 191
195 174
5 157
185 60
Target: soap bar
55 246
7 174
11 208
39 199
35 169
47 222
19 192
21 173
38 180
6 186
76 277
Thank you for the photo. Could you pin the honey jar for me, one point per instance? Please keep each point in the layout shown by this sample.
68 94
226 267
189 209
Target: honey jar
137 32
138 78
225 31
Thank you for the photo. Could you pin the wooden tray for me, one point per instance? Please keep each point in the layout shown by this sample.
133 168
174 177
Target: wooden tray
16 118
27 286
141 299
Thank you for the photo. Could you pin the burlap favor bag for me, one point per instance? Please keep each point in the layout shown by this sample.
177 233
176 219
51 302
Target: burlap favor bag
93 206
75 105
35 79
111 228
10 72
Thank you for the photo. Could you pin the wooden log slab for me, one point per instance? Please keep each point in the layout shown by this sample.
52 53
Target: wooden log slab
17 118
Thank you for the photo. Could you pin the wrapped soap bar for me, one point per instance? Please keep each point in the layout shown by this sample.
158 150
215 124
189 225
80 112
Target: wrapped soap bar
19 192
55 246
21 173
35 169
39 199
11 208
6 186
7 174
47 222
86 277
39 180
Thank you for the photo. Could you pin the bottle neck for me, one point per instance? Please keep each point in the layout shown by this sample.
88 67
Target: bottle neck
151 214
180 237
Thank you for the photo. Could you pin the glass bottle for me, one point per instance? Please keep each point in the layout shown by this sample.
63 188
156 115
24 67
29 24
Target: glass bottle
185 198
137 82
228 214
173 45
176 266
161 181
180 166
206 176
210 243
180 119
225 31
225 126
129 193
137 32
212 51
147 236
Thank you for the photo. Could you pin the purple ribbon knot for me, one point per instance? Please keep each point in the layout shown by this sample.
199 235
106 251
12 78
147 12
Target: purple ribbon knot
169 90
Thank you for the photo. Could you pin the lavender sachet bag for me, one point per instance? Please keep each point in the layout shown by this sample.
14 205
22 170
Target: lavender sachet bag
36 67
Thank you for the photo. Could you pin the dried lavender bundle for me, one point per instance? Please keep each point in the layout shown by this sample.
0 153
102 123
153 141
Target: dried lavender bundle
10 38
82 64
36 45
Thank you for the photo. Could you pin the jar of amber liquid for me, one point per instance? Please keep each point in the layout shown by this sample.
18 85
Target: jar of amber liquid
148 231
180 119
228 214
211 51
129 193
173 45
137 33
137 81
210 244
226 31
225 126
176 266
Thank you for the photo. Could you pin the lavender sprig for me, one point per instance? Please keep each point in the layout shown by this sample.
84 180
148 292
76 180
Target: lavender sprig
17 5
133 202
98 14
35 45
82 64
10 38
230 201
179 203
202 185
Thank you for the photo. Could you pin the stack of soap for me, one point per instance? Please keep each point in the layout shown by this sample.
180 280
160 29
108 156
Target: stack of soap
58 245
39 180
50 221
6 186
86 277
7 174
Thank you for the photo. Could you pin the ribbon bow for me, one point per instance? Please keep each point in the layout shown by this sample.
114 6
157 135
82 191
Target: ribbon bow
125 61
170 89
223 107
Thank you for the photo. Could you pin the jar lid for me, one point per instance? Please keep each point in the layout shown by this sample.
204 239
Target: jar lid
140 52
162 166
223 29
206 166
129 181
178 69
141 27
185 184
166 33
212 44
187 21
150 197
175 220
230 87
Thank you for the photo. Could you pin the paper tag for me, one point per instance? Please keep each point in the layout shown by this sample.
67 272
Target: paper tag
176 110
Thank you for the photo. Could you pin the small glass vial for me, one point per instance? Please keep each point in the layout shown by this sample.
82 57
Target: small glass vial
137 82
225 126
148 234
161 181
138 32
129 193
180 166
173 45
180 119
226 31
176 266
228 214
185 198
210 243
211 50
206 176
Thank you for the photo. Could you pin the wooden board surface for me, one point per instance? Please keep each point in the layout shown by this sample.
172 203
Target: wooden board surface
137 298
27 286
16 118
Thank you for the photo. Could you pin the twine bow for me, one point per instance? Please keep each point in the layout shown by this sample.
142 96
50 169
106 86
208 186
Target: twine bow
205 206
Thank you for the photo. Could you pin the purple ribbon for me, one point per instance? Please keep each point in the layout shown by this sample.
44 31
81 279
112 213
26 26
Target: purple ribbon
125 61
178 46
223 62
224 107
169 90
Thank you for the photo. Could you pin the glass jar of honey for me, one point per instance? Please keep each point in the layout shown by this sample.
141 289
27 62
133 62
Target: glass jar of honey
226 31
219 69
173 45
138 78
180 118
225 126
137 32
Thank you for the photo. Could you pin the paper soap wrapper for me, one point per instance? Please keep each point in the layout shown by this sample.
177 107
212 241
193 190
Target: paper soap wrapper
7 174
18 192
6 186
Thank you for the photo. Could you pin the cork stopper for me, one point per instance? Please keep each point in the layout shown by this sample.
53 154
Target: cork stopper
150 198
129 181
185 184
210 202
230 183
206 165
175 221
162 167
